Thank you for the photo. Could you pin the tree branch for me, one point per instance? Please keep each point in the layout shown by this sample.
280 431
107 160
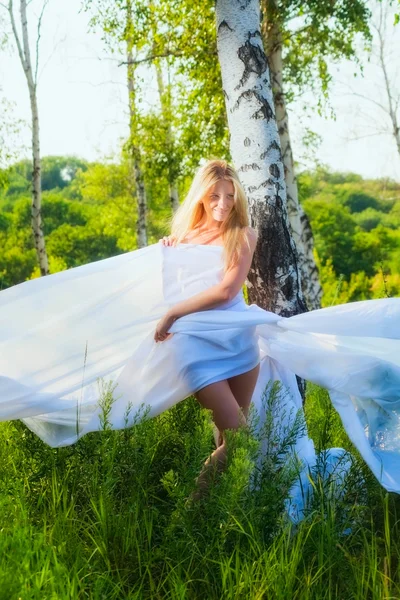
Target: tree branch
368 99
10 9
45 3
367 135
151 57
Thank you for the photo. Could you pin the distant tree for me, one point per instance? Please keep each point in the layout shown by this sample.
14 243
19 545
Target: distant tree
358 201
108 188
30 69
80 244
378 113
355 222
170 156
59 171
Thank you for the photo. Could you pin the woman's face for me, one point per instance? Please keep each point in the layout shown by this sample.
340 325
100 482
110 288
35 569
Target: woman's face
219 201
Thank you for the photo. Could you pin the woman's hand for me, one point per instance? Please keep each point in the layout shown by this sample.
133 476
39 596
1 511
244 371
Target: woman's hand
162 328
168 240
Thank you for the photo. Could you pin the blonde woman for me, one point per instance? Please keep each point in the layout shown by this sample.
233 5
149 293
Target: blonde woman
215 213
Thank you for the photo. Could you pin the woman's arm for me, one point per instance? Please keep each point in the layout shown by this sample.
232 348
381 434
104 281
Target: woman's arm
214 296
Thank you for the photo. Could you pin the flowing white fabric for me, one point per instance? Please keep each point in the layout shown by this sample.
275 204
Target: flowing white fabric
61 333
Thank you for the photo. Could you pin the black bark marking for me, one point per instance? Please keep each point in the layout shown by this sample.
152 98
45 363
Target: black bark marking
256 33
275 170
254 60
247 142
243 4
264 112
224 25
252 167
271 183
273 146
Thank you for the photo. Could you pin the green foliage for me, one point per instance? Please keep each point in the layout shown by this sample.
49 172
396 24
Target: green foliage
315 30
59 171
355 224
85 216
359 202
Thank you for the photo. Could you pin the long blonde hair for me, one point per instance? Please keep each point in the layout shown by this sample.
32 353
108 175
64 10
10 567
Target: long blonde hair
191 211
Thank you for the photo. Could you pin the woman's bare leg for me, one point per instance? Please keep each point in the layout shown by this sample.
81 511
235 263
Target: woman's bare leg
242 387
229 401
227 414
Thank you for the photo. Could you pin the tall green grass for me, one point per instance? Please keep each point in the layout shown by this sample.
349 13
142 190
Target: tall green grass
108 518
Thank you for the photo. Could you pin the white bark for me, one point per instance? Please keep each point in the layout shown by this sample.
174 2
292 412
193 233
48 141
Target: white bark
173 189
300 226
311 286
31 78
255 148
141 225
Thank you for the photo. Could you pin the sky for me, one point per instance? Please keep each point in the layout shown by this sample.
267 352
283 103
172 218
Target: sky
83 100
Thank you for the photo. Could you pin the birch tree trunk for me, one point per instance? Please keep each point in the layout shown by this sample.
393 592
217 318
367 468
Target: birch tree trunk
31 78
134 150
274 279
300 226
165 107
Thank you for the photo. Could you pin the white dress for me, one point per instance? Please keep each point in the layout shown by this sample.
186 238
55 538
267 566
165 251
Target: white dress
61 333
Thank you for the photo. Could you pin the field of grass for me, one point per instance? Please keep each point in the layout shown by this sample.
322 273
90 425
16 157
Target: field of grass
108 518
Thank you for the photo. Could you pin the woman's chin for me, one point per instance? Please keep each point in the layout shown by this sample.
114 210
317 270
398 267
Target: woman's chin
219 218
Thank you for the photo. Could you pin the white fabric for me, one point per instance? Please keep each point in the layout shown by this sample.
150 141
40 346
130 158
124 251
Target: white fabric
60 334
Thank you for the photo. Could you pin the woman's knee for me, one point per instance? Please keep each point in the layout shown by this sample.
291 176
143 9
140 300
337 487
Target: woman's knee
218 398
232 419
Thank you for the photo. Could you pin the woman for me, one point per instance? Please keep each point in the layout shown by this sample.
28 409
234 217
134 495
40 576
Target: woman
215 213
158 324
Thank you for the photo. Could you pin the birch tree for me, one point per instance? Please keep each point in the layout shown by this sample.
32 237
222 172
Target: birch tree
310 33
125 24
165 101
274 279
378 111
299 224
133 143
30 68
